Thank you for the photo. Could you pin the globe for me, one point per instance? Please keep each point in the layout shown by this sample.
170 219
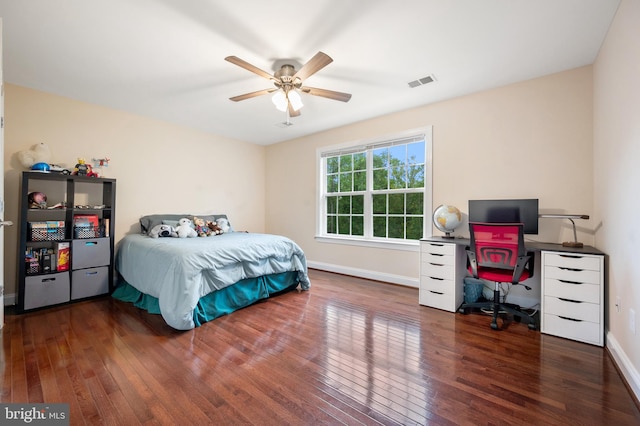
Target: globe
447 219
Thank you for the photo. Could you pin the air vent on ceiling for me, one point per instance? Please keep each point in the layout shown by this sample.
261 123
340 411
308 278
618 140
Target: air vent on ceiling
422 81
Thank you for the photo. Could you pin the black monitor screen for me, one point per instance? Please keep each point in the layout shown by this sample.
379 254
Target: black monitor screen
506 211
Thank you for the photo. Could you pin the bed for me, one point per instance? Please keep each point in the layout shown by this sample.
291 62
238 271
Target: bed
190 281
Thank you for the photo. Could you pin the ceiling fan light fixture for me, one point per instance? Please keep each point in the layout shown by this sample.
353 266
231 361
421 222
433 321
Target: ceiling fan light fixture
295 99
280 101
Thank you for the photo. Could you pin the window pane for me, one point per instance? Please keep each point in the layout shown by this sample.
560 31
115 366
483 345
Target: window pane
396 204
344 225
332 183
380 179
416 176
346 164
332 165
360 161
398 155
396 227
380 226
332 205
344 205
332 224
414 228
398 178
346 182
415 203
415 152
380 204
357 204
380 157
360 181
357 225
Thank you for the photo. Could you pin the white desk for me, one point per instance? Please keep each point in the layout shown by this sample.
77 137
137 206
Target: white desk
571 285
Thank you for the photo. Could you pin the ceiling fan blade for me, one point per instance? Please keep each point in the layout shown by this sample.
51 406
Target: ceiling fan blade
252 94
247 66
292 112
338 96
315 64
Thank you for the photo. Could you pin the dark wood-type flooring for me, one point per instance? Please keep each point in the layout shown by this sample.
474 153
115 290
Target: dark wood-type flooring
350 351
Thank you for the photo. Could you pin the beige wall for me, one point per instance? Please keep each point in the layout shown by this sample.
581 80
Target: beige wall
159 167
528 140
617 181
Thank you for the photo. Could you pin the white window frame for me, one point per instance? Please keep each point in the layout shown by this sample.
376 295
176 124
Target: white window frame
368 240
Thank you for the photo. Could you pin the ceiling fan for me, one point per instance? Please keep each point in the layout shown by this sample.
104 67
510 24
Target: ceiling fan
288 82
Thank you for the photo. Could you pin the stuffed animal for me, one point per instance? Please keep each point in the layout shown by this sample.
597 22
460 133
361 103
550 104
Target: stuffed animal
223 223
184 228
201 227
214 229
39 153
162 231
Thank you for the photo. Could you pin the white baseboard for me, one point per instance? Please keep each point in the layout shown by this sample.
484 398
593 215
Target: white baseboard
625 365
365 273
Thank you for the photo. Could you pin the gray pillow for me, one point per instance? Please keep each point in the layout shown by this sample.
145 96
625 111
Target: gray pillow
148 222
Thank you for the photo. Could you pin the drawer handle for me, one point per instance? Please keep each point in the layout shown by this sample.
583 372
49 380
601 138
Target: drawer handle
436 245
46 280
436 292
91 243
436 264
569 319
570 282
571 269
437 278
569 300
92 273
571 256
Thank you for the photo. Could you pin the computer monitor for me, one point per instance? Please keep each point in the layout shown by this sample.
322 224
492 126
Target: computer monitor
523 211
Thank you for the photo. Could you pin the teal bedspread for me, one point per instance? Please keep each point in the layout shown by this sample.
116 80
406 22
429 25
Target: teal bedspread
218 303
179 272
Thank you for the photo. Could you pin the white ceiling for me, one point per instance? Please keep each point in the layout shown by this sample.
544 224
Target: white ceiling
165 58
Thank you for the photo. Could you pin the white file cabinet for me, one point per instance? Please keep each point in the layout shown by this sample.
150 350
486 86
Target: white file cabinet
442 271
572 304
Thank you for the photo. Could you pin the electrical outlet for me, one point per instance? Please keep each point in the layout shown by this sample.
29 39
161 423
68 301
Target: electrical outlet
618 305
632 321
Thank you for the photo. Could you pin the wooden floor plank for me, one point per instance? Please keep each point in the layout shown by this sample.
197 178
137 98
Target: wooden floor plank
349 351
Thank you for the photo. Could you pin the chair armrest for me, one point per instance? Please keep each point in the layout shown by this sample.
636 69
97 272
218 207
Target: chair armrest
524 262
473 262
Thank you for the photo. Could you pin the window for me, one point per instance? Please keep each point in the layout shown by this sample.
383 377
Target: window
377 191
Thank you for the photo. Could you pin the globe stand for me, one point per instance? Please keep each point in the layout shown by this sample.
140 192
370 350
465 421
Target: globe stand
448 235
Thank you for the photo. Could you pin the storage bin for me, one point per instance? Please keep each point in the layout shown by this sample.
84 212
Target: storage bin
472 289
46 231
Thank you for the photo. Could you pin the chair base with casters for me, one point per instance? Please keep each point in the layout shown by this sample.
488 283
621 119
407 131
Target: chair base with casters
497 254
500 308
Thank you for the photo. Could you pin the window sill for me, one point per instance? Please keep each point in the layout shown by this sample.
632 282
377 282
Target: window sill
389 245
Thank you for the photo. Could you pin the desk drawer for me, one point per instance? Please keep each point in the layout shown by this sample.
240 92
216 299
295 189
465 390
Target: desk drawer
582 311
583 331
438 259
438 299
583 292
437 248
574 261
437 270
573 275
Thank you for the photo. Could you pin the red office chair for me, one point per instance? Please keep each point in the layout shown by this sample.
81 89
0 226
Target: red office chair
497 253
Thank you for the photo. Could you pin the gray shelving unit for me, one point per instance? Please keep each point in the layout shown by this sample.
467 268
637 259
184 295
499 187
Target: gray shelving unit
46 231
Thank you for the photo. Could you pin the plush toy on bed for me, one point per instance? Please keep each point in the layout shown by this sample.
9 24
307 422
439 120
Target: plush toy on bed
223 223
163 231
214 229
201 227
184 228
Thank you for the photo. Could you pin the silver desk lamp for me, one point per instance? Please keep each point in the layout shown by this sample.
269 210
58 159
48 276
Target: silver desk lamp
575 242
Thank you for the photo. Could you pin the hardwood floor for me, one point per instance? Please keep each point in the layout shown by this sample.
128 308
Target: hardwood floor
349 351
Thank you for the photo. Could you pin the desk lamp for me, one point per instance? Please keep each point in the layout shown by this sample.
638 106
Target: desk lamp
575 242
